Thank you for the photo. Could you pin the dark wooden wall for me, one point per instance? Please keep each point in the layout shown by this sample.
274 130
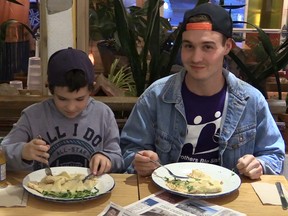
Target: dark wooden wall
11 107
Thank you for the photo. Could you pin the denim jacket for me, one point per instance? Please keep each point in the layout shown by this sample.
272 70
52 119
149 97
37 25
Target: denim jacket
157 122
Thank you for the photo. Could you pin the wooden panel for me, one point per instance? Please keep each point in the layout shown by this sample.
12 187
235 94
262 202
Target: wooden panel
272 87
11 107
82 25
20 102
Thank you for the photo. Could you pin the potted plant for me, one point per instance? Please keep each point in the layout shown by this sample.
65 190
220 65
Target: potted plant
128 39
275 60
122 78
154 60
101 20
103 34
4 25
104 24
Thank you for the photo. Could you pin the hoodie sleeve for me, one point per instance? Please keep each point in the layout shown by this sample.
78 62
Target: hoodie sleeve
13 144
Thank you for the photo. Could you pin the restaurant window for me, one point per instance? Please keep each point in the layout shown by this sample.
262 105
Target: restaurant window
270 16
174 9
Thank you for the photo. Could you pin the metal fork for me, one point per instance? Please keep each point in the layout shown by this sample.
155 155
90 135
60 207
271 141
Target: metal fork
160 165
87 177
48 170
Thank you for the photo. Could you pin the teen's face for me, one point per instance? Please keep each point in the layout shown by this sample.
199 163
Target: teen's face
71 104
203 53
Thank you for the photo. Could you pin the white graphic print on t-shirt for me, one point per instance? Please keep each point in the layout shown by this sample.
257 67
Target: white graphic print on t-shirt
201 141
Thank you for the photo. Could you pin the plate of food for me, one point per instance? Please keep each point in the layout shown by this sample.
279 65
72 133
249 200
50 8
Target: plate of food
204 180
66 184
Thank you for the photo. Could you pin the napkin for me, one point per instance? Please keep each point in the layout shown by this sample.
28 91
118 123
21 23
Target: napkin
13 196
268 193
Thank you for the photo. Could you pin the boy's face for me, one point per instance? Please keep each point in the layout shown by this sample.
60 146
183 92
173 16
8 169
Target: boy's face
203 52
71 104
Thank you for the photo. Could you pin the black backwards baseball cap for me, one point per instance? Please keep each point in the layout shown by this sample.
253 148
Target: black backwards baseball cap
219 17
66 60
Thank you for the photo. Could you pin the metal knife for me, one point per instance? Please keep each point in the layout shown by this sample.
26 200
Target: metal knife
282 196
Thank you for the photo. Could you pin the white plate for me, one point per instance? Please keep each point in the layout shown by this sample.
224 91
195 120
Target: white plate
104 184
231 180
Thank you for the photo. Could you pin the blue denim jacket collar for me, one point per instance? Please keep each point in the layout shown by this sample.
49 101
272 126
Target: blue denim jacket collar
235 88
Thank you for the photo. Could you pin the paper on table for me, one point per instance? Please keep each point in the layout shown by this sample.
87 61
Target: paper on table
14 196
268 193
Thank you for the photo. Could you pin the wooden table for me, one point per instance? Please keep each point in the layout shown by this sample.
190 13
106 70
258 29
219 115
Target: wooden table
125 192
244 200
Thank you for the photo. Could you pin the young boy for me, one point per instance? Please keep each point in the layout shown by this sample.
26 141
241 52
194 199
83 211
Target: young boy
69 129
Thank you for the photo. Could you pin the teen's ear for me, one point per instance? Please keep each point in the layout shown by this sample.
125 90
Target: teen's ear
228 45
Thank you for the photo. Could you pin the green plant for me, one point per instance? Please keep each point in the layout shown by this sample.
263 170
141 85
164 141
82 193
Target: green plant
276 59
3 29
161 61
103 27
122 78
101 20
128 39
152 61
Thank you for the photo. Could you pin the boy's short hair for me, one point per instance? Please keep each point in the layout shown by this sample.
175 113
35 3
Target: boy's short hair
66 60
219 18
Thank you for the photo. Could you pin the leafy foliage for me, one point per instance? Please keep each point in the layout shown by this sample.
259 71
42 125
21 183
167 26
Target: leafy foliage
148 29
122 78
101 20
160 45
276 59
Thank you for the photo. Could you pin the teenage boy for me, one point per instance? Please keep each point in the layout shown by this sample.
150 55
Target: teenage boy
203 113
69 129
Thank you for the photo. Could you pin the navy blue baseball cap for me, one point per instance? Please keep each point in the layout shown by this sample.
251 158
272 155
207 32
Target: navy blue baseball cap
66 60
220 19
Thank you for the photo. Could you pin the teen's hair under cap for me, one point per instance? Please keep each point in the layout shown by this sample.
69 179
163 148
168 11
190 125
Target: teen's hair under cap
220 19
66 60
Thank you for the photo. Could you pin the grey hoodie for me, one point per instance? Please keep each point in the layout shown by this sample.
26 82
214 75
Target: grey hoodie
72 141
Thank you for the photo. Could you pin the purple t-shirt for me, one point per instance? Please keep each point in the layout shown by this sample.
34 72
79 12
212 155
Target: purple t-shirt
203 114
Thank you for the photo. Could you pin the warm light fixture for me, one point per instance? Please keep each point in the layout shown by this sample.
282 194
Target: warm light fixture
91 57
